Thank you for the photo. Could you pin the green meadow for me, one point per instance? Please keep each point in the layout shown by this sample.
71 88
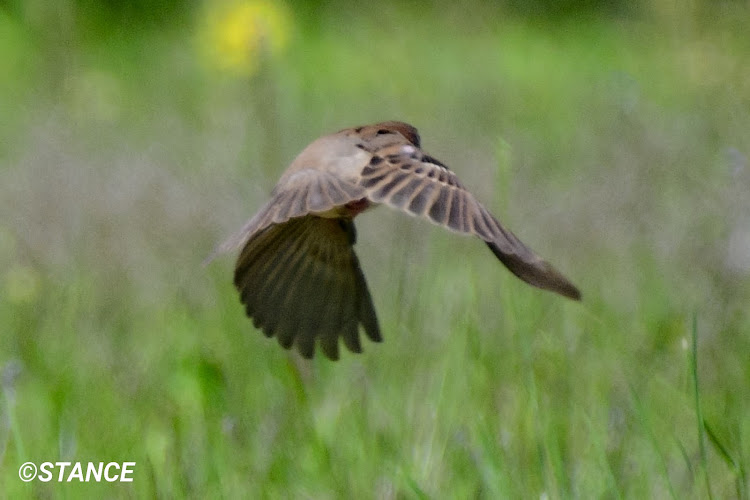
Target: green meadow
614 140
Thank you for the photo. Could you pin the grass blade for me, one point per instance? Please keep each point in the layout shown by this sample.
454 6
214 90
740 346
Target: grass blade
698 414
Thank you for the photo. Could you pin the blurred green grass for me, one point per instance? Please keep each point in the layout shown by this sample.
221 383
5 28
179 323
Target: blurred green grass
615 146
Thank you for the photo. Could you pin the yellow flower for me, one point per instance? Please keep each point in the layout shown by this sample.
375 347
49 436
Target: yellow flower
239 35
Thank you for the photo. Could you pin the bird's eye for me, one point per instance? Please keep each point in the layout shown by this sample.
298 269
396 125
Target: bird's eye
383 131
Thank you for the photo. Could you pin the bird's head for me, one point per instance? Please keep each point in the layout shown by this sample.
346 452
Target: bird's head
376 133
410 133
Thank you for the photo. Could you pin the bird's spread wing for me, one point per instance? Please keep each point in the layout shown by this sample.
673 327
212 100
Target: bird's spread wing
300 280
402 176
307 191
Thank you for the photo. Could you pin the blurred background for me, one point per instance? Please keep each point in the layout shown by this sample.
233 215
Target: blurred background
610 135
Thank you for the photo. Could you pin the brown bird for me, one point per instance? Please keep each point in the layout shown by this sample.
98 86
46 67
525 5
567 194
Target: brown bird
298 275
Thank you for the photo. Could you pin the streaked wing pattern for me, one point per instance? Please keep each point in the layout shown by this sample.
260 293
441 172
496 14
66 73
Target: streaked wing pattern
307 191
405 178
300 280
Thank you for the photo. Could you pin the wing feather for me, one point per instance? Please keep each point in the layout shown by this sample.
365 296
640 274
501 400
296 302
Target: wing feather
456 220
308 191
301 281
438 212
407 179
405 193
421 200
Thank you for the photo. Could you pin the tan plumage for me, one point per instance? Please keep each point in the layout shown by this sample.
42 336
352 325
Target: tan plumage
298 275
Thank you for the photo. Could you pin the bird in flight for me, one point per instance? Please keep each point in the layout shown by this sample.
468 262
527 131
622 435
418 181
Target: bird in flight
297 274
